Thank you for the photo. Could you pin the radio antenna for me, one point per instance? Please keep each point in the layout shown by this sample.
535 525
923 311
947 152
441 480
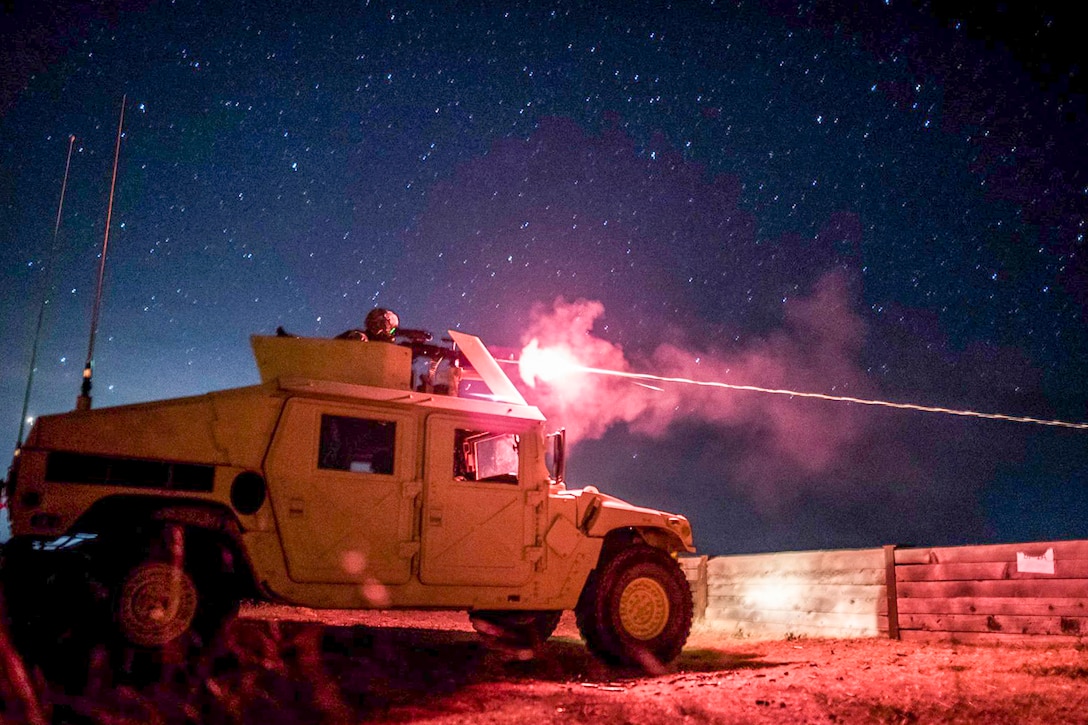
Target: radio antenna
48 291
83 402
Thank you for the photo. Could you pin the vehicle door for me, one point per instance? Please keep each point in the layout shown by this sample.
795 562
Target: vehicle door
343 488
480 503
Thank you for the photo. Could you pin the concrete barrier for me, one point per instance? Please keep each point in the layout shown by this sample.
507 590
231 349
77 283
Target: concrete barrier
1032 592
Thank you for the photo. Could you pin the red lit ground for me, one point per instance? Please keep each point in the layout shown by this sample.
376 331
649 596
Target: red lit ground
281 665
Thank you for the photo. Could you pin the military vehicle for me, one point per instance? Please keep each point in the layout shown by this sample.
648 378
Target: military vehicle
353 476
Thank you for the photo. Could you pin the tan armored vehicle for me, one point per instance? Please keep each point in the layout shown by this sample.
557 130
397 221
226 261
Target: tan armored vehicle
340 482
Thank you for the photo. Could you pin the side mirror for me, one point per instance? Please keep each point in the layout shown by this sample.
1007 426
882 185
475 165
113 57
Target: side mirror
558 451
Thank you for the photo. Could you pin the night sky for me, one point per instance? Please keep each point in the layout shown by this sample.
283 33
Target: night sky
878 199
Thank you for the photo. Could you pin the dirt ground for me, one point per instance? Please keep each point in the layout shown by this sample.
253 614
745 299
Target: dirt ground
281 665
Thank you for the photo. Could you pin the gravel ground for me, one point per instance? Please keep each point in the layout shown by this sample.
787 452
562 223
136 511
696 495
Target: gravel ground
283 665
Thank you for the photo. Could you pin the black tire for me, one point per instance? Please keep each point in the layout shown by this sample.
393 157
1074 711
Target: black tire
636 609
55 609
519 629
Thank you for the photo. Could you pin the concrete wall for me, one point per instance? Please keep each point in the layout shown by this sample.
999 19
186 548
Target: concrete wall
1033 592
800 594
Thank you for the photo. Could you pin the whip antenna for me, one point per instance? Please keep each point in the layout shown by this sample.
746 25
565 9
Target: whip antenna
48 290
83 402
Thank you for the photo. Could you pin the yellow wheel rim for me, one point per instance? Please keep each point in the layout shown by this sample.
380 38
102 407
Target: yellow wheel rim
644 608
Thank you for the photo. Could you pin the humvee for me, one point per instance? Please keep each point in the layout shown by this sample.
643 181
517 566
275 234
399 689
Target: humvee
343 480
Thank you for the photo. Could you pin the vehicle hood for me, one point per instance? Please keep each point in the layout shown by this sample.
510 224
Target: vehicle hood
598 513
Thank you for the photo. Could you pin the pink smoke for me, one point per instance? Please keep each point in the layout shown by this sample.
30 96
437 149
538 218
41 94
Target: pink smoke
816 350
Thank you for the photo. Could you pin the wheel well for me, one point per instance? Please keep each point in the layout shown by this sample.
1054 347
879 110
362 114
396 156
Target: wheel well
212 533
116 514
619 539
662 539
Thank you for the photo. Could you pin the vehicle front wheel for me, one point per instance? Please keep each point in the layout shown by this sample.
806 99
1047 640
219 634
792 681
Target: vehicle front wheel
636 609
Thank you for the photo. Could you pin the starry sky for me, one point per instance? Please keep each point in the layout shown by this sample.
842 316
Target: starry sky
879 199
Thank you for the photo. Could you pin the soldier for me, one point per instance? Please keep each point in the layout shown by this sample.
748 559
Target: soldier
380 326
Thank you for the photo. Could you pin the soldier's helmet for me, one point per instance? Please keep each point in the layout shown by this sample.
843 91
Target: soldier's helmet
381 325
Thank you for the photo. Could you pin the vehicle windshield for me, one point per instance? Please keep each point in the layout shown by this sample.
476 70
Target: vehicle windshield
486 456
497 457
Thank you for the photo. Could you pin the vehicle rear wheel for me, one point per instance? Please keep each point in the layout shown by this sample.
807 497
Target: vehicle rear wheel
636 609
177 594
520 629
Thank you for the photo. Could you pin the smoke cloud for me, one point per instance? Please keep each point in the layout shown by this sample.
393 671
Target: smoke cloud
785 439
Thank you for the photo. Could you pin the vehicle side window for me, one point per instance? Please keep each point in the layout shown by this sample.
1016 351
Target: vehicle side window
357 444
486 457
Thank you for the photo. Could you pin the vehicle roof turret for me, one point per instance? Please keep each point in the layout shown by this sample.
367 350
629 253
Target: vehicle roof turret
382 371
379 364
